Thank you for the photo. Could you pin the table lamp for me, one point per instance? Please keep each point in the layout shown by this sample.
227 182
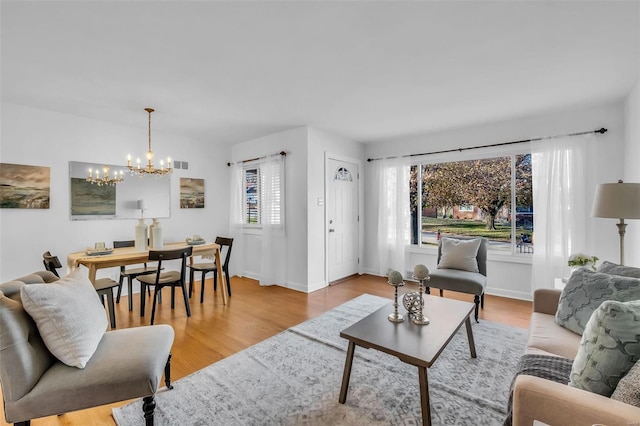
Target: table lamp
619 201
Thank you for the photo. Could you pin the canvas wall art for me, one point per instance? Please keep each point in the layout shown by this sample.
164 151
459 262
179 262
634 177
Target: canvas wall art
88 199
191 193
24 187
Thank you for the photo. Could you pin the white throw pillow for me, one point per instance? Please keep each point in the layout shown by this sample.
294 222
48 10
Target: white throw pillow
459 254
69 317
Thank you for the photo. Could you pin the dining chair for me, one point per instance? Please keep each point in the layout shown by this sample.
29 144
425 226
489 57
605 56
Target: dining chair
171 279
206 267
131 274
104 286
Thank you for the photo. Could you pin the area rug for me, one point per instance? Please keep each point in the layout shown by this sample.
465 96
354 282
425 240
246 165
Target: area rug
294 378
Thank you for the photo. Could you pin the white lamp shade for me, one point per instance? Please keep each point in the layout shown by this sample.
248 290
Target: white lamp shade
140 205
617 200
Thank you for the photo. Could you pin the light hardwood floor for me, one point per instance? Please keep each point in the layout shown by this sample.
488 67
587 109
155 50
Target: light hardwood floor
254 313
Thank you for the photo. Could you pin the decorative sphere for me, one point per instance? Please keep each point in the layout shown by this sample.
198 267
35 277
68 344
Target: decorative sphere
412 302
420 272
395 277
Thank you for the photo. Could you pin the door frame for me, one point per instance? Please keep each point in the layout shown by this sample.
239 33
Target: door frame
328 174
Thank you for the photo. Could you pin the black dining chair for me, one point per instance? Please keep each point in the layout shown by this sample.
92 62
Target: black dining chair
171 279
131 274
207 267
104 286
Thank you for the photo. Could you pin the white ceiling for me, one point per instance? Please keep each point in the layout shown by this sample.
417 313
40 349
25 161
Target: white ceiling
224 72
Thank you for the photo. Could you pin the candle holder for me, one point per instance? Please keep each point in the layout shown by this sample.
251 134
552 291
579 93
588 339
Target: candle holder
420 274
396 280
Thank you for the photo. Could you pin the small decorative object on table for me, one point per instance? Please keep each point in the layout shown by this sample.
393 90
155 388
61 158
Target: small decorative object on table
396 280
421 274
196 240
581 260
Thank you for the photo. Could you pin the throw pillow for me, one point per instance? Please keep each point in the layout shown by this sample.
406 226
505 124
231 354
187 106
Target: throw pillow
586 290
614 269
609 347
459 254
628 389
69 317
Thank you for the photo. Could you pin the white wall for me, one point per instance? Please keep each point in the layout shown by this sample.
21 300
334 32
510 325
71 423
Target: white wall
632 170
508 276
44 138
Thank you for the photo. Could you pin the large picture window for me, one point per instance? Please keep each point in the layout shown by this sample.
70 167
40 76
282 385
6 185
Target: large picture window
263 194
474 198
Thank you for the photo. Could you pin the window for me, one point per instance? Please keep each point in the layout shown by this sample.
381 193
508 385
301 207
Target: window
474 199
263 194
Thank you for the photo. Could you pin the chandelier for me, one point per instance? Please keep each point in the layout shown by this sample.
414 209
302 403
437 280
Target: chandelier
149 169
105 179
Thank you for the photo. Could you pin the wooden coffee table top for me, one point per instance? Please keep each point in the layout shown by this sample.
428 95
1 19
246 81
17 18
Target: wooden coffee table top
418 345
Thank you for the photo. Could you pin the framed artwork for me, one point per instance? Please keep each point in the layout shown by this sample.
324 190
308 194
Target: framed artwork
88 199
191 193
24 187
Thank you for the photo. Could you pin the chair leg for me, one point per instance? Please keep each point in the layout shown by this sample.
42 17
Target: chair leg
191 276
143 288
153 306
482 301
167 373
476 300
111 307
226 274
173 296
120 282
441 293
204 274
148 406
186 298
215 280
130 295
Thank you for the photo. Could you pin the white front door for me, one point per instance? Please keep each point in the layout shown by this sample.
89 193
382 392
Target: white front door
342 219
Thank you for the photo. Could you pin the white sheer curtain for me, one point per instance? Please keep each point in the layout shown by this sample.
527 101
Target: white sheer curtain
236 219
273 268
394 224
559 205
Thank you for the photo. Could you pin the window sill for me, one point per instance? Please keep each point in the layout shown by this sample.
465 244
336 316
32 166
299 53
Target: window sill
491 256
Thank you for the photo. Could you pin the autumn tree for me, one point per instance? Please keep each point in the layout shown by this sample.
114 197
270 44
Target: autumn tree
441 186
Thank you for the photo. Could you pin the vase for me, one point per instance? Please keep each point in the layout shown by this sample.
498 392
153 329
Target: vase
141 236
156 235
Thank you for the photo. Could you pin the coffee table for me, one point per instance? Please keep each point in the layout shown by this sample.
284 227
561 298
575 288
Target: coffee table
418 345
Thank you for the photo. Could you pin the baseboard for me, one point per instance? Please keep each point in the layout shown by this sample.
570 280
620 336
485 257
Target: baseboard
519 295
317 286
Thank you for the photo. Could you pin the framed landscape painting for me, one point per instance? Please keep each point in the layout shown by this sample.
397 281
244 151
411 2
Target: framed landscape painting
89 200
24 187
191 193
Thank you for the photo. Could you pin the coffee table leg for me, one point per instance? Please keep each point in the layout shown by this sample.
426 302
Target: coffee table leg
347 373
472 345
424 396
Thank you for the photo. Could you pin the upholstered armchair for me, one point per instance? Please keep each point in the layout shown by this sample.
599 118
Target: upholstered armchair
35 383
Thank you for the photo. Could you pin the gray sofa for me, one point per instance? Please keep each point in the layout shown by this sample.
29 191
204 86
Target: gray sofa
554 403
128 363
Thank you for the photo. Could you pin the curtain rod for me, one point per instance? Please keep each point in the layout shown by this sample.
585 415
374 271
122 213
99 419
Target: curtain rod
601 131
283 153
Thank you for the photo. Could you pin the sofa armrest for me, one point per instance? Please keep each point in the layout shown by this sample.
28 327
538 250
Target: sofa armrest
545 300
559 404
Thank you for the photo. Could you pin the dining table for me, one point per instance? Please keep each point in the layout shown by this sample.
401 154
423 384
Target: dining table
123 256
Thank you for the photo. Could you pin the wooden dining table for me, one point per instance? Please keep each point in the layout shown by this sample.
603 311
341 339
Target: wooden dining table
129 256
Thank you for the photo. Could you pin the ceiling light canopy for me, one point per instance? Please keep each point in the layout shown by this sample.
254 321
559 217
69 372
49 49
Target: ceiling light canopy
149 169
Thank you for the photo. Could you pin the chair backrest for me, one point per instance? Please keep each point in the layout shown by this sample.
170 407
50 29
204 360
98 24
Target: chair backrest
225 242
481 257
162 255
23 355
127 243
51 262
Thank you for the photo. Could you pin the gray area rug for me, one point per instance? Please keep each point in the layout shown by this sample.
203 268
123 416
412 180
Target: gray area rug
294 378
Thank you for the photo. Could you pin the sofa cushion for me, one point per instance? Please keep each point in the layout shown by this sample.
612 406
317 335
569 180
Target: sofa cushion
609 347
615 269
69 316
459 254
628 389
546 337
586 290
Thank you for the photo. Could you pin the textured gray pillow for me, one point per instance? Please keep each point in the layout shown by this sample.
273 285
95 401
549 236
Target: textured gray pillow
609 347
615 269
628 389
586 290
69 316
459 254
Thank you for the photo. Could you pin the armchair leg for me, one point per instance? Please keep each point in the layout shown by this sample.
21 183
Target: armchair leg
167 373
441 292
427 290
148 406
25 423
482 301
476 300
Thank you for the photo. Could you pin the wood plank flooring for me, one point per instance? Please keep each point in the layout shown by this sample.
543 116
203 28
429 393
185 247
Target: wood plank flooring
254 313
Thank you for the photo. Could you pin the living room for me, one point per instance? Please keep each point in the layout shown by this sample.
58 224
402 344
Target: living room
76 77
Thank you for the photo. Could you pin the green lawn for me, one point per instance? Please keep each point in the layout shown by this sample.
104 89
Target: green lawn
472 228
